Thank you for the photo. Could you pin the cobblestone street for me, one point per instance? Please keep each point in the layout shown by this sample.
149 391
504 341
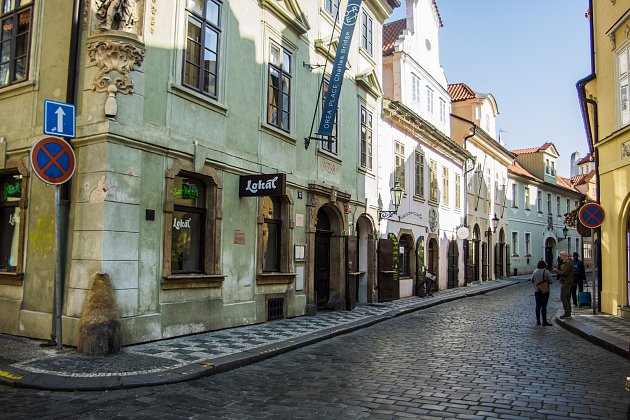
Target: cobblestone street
477 357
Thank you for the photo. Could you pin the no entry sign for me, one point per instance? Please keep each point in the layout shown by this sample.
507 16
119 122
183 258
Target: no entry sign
53 160
591 215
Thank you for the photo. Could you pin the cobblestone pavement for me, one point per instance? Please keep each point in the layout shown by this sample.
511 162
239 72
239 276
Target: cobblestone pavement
480 357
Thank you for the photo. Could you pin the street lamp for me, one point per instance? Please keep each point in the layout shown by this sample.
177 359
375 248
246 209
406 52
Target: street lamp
495 223
396 192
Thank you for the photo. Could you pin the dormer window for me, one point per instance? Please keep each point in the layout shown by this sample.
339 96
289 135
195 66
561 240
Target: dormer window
553 168
547 166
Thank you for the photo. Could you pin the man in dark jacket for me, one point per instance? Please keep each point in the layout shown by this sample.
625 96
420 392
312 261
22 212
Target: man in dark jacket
579 274
565 272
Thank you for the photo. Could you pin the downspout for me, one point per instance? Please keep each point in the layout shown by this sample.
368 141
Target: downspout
467 242
62 213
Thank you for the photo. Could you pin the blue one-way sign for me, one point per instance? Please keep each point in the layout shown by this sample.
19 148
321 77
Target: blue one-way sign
59 119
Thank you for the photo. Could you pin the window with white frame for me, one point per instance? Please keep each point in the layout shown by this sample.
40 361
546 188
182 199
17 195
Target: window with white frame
399 163
528 244
623 75
366 138
548 203
539 202
415 88
568 205
366 32
458 193
15 40
558 211
433 181
201 64
514 195
429 100
515 243
332 7
279 87
442 110
547 166
553 168
445 186
586 250
419 175
526 198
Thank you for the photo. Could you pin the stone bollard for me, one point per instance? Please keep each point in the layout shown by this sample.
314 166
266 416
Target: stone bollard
99 327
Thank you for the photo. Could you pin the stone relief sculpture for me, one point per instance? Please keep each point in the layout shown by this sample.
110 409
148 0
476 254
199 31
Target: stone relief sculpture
117 15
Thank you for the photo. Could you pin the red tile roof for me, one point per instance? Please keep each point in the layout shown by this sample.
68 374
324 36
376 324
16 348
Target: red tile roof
391 32
586 159
518 169
583 178
460 92
532 149
565 183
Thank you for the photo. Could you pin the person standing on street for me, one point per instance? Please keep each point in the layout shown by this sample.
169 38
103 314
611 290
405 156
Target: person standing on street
579 275
541 279
565 275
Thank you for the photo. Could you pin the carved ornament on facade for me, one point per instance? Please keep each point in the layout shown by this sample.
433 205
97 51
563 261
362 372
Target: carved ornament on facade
625 150
115 59
153 13
121 15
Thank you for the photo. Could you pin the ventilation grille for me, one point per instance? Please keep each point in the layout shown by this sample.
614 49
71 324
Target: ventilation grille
275 309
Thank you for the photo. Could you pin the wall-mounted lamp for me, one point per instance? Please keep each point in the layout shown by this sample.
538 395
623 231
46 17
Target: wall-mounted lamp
397 193
565 231
495 223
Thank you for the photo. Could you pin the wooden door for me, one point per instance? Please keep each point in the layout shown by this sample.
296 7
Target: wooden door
387 285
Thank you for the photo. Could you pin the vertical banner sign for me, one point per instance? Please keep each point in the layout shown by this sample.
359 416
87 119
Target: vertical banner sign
339 66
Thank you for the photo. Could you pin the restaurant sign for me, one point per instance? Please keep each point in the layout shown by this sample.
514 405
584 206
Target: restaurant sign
262 185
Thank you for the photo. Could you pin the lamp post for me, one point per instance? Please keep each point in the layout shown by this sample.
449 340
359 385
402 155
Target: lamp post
396 192
495 224
565 231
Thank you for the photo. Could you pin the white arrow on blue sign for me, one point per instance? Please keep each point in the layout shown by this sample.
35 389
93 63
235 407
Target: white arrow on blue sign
59 119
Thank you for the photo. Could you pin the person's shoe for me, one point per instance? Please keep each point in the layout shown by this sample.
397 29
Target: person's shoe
565 316
546 324
537 322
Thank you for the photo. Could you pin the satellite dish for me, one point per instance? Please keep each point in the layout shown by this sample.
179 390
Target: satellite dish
462 232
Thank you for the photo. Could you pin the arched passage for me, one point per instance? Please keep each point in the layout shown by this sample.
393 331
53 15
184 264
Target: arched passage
433 263
329 262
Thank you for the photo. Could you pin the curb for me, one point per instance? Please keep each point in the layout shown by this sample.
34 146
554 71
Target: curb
606 341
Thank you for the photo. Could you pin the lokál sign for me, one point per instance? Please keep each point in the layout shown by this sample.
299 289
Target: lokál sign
262 185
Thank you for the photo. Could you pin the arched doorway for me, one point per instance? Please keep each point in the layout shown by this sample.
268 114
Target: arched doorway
499 256
323 234
433 264
421 268
453 264
364 227
550 245
475 252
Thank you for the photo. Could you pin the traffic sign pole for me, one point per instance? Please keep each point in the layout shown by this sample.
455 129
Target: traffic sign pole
594 273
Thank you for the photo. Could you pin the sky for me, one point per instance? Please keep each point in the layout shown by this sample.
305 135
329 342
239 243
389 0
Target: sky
529 56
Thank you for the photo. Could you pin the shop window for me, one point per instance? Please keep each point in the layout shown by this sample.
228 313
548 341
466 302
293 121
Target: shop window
11 222
405 245
271 233
15 39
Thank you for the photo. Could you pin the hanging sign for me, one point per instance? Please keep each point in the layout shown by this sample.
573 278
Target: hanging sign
339 66
262 185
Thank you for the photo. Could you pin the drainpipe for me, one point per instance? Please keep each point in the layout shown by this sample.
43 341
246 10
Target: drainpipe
466 242
62 214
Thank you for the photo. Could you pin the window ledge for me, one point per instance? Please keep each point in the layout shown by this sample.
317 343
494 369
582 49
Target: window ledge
277 132
275 278
11 279
192 281
196 97
419 198
365 171
328 155
15 89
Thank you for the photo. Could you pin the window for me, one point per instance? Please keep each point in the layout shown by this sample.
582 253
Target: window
458 195
202 46
515 243
366 138
404 256
332 6
433 182
366 33
330 146
539 202
429 100
622 81
187 229
528 242
10 223
399 163
547 166
279 93
442 111
577 245
568 205
575 204
514 191
419 185
558 211
271 233
15 40
569 249
548 203
415 88
553 168
586 250
445 186
526 198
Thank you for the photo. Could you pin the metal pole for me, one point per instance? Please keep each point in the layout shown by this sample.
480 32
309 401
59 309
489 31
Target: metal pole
58 266
594 271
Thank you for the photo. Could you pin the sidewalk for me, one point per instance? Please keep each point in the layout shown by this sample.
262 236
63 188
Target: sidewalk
23 363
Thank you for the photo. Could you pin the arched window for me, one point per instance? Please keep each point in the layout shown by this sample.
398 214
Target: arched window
271 233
